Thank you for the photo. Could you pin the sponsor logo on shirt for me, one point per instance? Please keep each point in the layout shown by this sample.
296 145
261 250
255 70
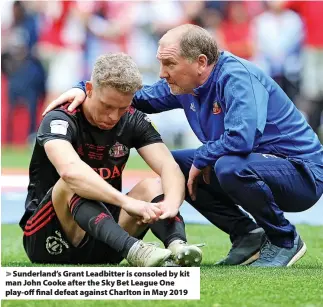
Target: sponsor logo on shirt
58 126
110 172
95 152
118 150
216 108
80 151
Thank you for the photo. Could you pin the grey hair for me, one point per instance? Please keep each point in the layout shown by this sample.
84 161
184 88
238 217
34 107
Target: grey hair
117 70
195 41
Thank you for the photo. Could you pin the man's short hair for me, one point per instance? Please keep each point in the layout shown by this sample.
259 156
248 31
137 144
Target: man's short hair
117 70
195 41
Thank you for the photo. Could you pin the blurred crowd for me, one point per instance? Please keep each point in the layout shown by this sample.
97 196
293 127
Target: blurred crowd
48 46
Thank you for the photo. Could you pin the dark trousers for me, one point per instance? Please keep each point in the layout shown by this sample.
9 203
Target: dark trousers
212 201
263 185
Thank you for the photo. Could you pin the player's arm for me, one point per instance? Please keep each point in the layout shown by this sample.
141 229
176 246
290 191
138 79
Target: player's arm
160 160
86 183
79 176
57 133
149 145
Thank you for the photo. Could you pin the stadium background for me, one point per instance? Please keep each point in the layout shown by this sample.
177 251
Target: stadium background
49 46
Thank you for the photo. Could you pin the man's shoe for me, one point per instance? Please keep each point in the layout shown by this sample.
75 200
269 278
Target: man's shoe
143 254
184 254
245 249
275 256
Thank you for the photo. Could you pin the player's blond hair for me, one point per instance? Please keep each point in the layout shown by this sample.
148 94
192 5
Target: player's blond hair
117 70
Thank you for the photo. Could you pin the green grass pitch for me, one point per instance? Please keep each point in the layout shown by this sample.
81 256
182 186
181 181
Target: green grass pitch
298 286
19 158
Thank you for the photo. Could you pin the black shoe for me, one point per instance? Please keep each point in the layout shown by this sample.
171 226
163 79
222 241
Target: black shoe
245 249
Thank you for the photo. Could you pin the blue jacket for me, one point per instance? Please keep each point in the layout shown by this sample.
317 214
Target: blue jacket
238 110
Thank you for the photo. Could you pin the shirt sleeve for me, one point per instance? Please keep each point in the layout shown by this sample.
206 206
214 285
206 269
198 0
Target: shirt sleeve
56 125
81 86
156 98
246 102
144 132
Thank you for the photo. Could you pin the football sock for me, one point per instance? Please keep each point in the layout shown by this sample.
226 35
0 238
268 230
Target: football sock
94 218
168 230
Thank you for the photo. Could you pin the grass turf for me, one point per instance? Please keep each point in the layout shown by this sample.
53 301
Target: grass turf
299 285
19 158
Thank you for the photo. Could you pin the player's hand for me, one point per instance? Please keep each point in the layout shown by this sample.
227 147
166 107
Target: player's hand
75 96
168 210
146 213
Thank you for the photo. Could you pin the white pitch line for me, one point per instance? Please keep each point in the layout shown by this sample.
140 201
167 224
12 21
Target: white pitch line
14 181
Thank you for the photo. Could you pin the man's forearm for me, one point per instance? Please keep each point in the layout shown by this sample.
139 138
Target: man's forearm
86 183
173 183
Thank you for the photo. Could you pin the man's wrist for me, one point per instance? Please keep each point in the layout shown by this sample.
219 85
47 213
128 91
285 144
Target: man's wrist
123 200
172 203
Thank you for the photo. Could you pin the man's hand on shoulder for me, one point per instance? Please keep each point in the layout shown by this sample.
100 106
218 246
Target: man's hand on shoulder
75 96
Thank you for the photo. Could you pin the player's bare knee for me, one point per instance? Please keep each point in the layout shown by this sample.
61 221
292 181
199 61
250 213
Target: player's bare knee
62 194
153 188
147 189
61 197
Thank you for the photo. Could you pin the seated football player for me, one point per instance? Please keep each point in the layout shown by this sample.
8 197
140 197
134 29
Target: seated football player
75 211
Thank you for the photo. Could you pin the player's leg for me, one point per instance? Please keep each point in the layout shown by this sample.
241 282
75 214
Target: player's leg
170 231
51 235
214 204
79 216
265 186
44 239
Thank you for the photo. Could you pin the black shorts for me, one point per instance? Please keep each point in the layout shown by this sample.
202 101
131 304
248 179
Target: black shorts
45 242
